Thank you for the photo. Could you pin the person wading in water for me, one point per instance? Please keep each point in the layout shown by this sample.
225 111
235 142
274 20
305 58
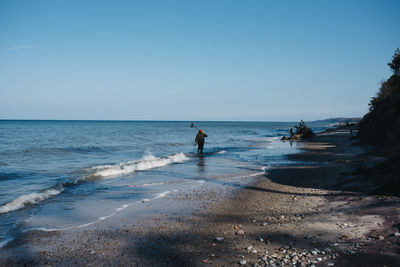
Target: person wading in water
200 141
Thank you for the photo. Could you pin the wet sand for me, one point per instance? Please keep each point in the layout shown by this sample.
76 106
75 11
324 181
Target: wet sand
317 211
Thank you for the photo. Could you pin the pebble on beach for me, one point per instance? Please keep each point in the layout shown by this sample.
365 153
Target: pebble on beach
240 232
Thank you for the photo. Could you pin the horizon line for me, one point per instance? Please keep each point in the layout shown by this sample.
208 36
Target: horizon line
155 120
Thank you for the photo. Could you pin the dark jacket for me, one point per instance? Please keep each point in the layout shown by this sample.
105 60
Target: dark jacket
200 138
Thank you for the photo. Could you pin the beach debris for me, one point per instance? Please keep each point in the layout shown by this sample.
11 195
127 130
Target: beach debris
219 238
397 234
381 237
264 223
242 262
92 252
302 131
261 239
249 247
330 264
206 261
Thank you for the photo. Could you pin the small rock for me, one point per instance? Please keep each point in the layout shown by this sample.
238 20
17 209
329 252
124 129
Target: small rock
254 251
381 237
219 239
319 259
396 234
330 264
261 239
240 232
314 252
308 237
242 262
249 247
92 252
264 223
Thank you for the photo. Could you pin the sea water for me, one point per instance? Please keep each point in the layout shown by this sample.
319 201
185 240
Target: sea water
79 173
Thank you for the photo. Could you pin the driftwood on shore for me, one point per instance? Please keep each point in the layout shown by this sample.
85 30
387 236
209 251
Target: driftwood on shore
302 131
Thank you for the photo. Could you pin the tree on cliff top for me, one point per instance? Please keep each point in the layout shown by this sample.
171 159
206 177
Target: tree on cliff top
395 64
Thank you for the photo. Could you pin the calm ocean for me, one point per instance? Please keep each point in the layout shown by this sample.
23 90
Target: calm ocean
82 172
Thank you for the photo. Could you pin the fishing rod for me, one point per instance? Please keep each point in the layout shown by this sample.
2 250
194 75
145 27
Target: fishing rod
194 126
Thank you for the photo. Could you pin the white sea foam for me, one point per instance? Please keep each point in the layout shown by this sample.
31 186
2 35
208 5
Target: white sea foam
106 217
32 198
6 241
146 163
265 168
161 195
153 184
222 152
247 175
123 207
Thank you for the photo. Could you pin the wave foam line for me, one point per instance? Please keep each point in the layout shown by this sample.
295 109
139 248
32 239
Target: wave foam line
44 229
99 219
146 163
6 241
264 171
28 199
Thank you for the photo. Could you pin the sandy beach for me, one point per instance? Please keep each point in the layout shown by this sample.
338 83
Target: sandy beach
318 211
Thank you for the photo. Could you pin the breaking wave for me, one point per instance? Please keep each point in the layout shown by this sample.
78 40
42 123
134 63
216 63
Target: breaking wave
28 199
146 163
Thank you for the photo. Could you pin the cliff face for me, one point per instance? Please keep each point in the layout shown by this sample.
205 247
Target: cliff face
381 126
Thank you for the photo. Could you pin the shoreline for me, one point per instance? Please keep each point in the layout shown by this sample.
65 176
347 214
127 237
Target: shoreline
310 214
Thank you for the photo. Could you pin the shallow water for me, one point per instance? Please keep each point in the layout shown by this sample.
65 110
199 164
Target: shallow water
72 174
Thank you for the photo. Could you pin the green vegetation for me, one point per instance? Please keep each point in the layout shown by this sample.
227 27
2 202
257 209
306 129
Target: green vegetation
381 127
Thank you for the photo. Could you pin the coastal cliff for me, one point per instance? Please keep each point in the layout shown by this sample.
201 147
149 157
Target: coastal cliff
381 128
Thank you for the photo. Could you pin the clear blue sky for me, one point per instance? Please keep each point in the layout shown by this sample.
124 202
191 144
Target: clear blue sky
193 60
